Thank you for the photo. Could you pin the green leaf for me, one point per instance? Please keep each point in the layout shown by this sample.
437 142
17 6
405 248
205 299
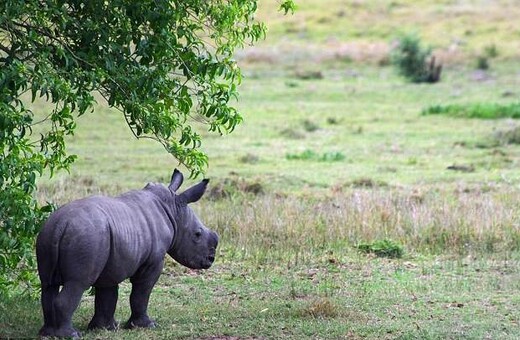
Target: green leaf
287 6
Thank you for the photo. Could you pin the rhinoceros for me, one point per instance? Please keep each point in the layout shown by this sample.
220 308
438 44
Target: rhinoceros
100 241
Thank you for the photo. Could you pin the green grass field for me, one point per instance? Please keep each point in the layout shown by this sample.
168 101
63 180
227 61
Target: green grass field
334 151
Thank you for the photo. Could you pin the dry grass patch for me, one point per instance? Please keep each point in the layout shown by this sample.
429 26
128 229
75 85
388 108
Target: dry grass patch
322 307
280 227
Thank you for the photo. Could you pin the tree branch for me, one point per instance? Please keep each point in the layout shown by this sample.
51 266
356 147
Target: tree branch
4 49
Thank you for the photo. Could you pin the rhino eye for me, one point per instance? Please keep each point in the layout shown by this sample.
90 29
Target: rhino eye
198 233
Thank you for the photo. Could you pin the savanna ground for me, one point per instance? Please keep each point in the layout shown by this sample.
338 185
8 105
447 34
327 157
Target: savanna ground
334 152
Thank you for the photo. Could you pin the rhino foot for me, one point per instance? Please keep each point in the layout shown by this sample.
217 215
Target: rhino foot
142 322
101 324
67 333
46 332
59 333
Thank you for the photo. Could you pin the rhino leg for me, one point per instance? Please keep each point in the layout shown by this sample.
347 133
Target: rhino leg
105 305
64 306
142 284
49 293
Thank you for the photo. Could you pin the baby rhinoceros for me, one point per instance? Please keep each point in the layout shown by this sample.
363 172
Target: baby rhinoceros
101 241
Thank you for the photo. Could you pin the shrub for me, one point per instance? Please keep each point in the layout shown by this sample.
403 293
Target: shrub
415 62
308 75
333 120
332 157
365 182
292 134
310 126
482 63
313 156
249 158
304 155
491 51
382 248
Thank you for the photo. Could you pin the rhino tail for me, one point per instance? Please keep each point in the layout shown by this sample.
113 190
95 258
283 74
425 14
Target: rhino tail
48 251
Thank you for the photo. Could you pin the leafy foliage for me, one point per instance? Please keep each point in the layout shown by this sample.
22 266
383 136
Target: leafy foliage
415 62
163 64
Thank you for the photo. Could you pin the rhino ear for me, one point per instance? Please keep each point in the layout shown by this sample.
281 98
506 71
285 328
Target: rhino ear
194 193
176 181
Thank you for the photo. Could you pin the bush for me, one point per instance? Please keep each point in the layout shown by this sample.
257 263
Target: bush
415 62
290 133
20 221
482 63
308 75
310 126
491 51
310 155
249 158
382 248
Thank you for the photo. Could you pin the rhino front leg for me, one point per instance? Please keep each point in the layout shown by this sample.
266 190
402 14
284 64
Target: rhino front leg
142 285
49 293
105 307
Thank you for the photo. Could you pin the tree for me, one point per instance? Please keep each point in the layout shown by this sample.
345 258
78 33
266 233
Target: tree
162 63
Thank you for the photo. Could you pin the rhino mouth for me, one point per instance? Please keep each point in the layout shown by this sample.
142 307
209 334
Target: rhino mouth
208 261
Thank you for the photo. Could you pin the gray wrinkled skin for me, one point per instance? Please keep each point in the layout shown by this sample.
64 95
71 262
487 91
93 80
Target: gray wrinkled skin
101 241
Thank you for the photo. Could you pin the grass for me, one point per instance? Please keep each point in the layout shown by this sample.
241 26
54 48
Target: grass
380 132
479 110
367 167
351 297
288 267
348 31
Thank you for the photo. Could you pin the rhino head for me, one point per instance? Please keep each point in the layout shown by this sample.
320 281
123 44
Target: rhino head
194 245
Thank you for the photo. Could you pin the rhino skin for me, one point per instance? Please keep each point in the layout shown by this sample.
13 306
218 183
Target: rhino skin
100 241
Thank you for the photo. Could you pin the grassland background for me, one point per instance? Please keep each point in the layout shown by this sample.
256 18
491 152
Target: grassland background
372 167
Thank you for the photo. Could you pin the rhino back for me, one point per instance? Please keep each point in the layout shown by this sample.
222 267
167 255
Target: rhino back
104 240
141 234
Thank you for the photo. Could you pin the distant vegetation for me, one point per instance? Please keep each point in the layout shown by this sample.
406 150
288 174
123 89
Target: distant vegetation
314 156
483 60
477 110
382 248
415 62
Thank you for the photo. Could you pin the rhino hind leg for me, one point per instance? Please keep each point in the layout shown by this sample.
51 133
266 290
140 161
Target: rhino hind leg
48 295
65 304
105 307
